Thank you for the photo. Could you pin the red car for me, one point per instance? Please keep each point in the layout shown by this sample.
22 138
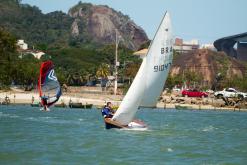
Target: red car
193 93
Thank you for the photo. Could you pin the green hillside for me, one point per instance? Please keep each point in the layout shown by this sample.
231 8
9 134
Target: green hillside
74 66
27 22
76 58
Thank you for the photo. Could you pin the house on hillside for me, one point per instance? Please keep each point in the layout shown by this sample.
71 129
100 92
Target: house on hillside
141 53
22 45
37 54
23 50
185 46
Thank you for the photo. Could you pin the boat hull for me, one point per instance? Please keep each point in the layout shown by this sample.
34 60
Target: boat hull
35 105
134 125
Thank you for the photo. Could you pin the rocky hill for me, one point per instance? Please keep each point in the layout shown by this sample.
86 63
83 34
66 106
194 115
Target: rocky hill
85 24
207 64
101 24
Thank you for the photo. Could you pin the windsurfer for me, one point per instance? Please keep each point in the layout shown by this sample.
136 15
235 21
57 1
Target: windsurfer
44 102
107 111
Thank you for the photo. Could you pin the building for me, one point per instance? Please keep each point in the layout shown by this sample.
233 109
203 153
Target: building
185 46
208 46
37 54
179 46
141 53
22 45
234 46
23 49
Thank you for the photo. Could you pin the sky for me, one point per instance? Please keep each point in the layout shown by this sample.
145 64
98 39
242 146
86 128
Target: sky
205 20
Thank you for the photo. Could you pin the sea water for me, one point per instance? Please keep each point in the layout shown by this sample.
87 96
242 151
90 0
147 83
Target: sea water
72 136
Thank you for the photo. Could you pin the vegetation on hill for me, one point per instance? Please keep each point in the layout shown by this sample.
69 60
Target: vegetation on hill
79 60
82 27
76 58
27 22
200 69
74 66
22 71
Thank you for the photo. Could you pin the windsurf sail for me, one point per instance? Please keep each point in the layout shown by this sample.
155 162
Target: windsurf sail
150 79
48 84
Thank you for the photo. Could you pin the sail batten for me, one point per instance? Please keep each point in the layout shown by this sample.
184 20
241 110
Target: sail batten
150 79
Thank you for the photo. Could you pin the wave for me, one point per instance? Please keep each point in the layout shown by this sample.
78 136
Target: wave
169 149
8 115
209 128
53 120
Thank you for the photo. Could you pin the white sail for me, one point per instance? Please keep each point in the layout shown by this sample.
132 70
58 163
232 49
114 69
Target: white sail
150 79
159 59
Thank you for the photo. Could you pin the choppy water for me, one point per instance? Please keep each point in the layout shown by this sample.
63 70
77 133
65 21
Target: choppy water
65 136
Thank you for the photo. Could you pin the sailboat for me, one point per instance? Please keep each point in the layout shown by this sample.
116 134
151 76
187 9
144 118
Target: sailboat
48 85
149 81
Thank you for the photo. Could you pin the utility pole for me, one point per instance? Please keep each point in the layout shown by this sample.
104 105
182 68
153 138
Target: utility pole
116 64
116 57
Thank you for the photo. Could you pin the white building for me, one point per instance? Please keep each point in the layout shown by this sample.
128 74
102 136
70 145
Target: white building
141 53
192 42
185 46
208 46
22 45
37 54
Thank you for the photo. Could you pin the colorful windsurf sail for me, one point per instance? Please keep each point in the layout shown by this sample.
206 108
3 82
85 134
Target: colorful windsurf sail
48 85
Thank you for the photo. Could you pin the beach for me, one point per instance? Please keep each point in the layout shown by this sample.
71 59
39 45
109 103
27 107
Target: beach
31 97
97 97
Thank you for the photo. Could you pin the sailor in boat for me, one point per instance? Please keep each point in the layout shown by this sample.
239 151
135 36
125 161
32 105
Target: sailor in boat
107 111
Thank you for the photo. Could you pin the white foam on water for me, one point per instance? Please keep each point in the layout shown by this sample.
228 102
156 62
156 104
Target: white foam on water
209 128
14 116
51 120
30 119
169 150
8 115
135 129
47 117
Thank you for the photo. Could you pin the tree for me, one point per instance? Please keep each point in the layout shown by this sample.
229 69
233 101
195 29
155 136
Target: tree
7 57
102 72
173 80
7 44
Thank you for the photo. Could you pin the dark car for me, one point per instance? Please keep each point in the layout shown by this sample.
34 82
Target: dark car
194 93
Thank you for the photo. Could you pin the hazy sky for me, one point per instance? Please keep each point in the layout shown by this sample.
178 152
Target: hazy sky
205 20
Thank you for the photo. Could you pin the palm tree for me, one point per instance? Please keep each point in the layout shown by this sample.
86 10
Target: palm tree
102 72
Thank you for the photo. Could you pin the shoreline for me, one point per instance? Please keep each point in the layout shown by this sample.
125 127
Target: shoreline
99 100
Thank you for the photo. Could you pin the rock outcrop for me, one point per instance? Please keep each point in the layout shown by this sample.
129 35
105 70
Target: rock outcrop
85 25
101 23
208 64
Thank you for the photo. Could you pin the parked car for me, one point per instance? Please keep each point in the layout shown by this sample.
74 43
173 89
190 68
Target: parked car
230 93
194 93
175 89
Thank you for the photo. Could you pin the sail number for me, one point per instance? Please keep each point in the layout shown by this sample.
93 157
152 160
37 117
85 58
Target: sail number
163 67
166 50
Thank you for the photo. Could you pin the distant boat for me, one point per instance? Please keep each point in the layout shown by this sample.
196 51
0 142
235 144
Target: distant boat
182 107
35 104
80 105
61 105
149 81
48 84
